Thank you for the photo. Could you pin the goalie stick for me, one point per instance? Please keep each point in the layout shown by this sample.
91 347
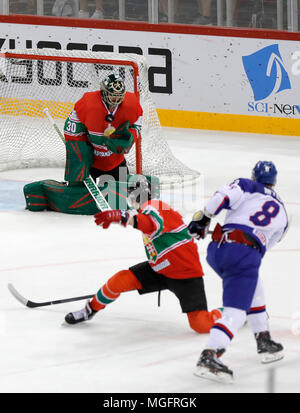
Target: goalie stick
33 304
90 184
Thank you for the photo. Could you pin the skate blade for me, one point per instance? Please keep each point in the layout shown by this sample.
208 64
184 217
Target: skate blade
271 357
219 377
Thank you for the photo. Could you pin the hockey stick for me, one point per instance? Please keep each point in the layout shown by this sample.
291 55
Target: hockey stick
32 304
90 184
51 120
95 192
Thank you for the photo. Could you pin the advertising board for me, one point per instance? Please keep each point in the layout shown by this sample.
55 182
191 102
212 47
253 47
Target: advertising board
199 78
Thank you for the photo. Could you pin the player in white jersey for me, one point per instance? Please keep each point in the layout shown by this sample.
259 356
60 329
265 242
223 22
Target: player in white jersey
256 220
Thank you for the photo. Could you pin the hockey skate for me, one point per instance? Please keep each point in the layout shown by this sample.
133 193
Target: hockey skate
82 315
211 368
268 349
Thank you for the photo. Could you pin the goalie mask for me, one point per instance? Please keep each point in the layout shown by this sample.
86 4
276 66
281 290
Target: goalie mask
139 192
112 90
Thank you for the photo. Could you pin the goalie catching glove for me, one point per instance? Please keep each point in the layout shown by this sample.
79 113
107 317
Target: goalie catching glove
199 226
117 216
121 140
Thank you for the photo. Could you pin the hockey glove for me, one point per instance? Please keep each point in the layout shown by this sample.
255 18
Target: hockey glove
121 140
198 227
107 217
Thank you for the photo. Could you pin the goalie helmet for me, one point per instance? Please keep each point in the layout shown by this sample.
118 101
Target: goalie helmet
112 90
139 191
264 172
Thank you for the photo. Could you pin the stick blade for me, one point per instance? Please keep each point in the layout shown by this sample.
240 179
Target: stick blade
19 297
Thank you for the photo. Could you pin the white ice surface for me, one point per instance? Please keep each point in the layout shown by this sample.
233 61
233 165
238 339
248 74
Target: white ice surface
134 346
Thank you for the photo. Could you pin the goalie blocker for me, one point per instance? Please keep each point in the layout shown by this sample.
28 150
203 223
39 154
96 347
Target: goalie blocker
76 199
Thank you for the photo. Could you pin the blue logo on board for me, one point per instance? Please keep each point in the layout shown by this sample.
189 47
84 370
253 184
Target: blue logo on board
266 73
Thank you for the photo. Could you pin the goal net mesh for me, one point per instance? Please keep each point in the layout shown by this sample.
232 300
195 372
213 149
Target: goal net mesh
32 80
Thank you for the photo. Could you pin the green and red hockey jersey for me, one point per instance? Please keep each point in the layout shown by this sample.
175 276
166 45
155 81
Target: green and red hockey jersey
88 122
170 250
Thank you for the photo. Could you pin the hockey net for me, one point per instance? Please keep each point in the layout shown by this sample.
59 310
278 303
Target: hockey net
34 79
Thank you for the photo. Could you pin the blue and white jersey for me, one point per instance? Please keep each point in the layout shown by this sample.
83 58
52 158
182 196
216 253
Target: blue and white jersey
253 208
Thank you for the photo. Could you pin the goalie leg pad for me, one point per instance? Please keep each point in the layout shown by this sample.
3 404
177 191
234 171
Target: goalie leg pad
59 197
79 160
35 196
75 198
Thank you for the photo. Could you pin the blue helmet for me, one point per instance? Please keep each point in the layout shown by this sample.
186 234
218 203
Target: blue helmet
265 172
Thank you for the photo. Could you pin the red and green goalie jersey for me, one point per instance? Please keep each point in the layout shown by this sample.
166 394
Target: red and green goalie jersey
170 249
89 124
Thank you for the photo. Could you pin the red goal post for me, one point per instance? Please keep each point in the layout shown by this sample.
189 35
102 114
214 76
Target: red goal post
33 79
